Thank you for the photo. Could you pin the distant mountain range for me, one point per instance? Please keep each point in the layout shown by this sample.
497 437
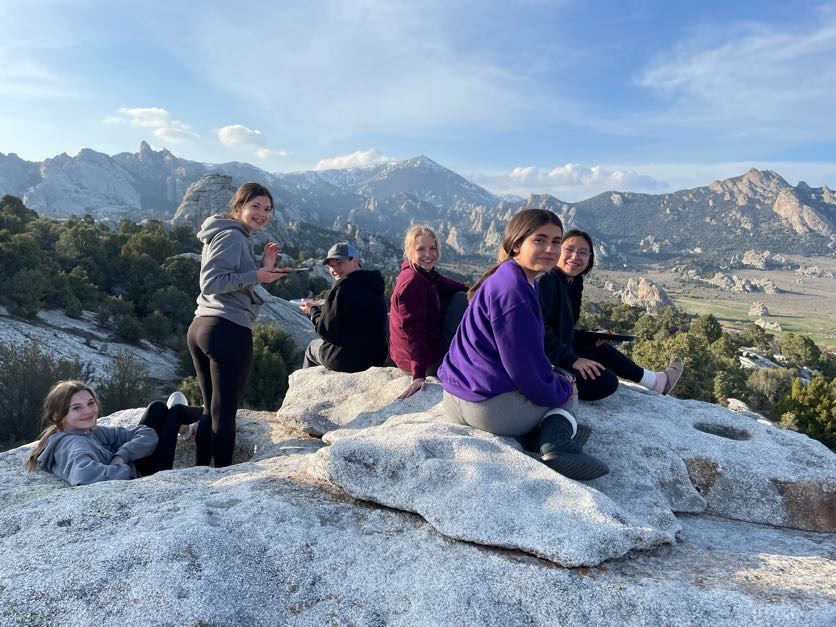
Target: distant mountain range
758 210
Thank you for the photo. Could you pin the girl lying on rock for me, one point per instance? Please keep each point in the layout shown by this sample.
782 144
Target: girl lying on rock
74 448
425 309
496 376
596 364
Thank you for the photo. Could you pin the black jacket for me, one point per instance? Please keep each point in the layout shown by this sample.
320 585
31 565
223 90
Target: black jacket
353 323
560 301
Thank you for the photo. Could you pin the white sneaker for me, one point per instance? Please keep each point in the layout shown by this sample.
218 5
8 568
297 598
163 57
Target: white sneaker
177 398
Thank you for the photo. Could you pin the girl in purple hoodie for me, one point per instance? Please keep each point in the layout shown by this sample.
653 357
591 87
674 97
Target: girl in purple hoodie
496 376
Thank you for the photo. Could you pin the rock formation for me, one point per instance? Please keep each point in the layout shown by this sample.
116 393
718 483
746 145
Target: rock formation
758 310
644 293
205 197
298 533
769 325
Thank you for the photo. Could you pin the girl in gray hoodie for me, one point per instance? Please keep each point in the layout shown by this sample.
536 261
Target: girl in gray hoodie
220 337
74 448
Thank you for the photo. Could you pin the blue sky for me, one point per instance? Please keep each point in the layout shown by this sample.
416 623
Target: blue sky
566 97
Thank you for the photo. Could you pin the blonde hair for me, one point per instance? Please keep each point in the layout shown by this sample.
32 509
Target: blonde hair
410 241
55 409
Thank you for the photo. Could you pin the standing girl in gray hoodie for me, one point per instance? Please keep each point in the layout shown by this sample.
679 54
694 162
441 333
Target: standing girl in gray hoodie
74 448
220 337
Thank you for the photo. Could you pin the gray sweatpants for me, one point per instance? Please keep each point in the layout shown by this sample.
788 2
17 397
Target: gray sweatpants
509 414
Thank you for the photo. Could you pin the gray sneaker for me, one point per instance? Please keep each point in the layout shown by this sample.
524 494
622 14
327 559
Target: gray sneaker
673 372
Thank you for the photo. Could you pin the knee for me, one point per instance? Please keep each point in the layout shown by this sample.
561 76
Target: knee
602 387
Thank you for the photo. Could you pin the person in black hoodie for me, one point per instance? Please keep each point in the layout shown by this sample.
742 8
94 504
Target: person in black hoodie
596 365
352 322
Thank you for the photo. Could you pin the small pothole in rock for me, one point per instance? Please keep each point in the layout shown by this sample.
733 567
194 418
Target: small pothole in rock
723 431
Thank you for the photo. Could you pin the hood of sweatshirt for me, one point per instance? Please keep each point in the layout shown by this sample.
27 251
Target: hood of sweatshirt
215 224
370 279
47 456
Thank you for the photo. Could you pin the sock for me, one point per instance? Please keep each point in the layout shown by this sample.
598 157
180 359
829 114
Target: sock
661 382
648 379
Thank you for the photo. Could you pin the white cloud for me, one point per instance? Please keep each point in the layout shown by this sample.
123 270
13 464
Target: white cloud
765 82
340 68
250 139
358 159
158 120
569 181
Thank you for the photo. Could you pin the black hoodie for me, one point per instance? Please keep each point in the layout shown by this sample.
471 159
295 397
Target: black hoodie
353 323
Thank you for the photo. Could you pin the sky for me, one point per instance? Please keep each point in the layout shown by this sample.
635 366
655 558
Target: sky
568 97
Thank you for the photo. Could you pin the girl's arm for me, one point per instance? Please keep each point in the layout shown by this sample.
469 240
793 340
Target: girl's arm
412 306
130 444
518 341
557 344
76 464
221 271
448 287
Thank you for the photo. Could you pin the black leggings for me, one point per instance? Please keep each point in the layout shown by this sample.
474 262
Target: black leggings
617 364
222 352
166 422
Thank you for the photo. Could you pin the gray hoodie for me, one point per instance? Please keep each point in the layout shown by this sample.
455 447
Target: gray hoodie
82 456
227 272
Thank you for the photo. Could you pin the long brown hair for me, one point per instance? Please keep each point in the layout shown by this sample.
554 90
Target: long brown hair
521 226
56 407
244 194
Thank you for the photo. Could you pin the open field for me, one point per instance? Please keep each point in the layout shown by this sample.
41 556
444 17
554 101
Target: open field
804 305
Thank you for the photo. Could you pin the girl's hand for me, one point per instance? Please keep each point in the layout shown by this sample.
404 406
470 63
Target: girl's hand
268 275
417 384
588 368
268 256
117 459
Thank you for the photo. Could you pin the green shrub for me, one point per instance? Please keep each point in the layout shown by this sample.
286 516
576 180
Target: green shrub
126 385
273 358
27 374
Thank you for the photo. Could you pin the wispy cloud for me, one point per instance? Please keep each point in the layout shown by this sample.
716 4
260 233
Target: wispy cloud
249 139
358 159
158 120
340 68
765 82
569 181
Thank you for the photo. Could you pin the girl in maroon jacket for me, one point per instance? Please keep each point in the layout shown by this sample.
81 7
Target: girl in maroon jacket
424 310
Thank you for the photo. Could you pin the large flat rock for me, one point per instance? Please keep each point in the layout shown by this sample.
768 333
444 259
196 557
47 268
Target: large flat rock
263 543
665 455
404 520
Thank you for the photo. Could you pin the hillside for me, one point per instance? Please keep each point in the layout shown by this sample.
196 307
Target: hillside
757 210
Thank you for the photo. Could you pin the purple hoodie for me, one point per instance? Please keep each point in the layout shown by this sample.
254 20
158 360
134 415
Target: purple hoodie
498 347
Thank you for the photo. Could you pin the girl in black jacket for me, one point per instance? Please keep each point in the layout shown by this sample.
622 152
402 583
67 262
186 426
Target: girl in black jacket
597 364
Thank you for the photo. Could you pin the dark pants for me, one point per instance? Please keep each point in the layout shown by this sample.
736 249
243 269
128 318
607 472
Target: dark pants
222 352
617 365
166 422
452 312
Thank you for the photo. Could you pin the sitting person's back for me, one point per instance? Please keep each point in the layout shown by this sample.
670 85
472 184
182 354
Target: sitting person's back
352 322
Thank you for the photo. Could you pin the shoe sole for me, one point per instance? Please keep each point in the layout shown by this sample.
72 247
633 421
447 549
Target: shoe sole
578 466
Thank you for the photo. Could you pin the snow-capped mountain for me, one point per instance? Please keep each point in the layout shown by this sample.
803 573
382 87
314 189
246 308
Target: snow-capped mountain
758 208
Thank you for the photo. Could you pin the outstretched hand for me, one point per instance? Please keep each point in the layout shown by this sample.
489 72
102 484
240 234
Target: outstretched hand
415 386
268 275
589 368
269 255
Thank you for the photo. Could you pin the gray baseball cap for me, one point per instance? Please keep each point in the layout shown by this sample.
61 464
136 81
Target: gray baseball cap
341 250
